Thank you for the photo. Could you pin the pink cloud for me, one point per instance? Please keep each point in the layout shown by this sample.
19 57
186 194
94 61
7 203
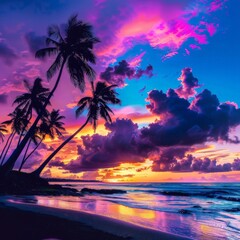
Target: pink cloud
169 55
157 23
135 62
194 46
187 51
216 5
211 29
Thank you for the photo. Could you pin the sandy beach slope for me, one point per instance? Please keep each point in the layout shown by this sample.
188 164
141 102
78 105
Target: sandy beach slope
52 223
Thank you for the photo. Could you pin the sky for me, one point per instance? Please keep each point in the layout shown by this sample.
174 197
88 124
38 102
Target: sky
176 64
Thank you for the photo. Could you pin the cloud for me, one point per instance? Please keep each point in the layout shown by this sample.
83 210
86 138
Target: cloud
7 54
187 123
35 42
168 141
165 25
3 98
57 162
188 84
121 145
190 163
236 164
122 71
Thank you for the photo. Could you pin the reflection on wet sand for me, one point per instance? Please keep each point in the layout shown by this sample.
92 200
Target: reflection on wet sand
185 225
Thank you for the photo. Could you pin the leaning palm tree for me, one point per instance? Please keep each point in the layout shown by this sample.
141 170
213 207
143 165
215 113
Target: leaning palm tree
2 131
96 105
33 99
75 50
51 126
17 122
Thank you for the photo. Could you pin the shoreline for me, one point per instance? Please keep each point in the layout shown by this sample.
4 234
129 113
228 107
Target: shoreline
92 223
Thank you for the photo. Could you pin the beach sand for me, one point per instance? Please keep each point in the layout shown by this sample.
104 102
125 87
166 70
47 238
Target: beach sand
26 221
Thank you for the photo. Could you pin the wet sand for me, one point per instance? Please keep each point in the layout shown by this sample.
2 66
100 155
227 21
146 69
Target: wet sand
25 221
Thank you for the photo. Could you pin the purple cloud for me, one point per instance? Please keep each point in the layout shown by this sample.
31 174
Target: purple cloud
166 142
185 123
122 71
3 98
188 84
121 145
35 42
7 54
190 164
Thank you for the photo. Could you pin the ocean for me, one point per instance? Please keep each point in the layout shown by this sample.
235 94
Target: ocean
197 210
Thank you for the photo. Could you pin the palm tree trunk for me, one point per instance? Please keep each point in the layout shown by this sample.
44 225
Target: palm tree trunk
22 132
29 155
8 166
23 160
10 143
5 147
38 171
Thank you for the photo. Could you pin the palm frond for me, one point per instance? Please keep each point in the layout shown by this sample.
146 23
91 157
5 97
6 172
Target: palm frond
80 109
54 31
46 52
50 41
76 72
55 66
83 100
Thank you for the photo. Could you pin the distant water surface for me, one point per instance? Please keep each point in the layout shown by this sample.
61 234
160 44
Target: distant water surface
198 210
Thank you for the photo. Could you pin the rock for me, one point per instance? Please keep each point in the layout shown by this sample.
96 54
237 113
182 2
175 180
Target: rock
185 211
197 206
172 193
103 191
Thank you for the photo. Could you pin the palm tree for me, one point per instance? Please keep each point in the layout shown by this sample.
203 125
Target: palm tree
34 98
51 126
74 49
18 122
2 131
96 105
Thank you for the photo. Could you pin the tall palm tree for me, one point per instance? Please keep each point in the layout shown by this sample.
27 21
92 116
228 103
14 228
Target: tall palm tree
75 49
33 99
2 131
17 122
51 126
96 105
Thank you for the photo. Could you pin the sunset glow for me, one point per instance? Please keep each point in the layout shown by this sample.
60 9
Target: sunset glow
176 67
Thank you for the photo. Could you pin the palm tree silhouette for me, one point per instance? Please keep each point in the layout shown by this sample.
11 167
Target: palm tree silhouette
18 122
51 126
33 99
74 49
96 105
2 131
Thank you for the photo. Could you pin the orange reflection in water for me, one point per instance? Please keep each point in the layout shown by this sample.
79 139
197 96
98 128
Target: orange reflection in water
185 225
143 217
